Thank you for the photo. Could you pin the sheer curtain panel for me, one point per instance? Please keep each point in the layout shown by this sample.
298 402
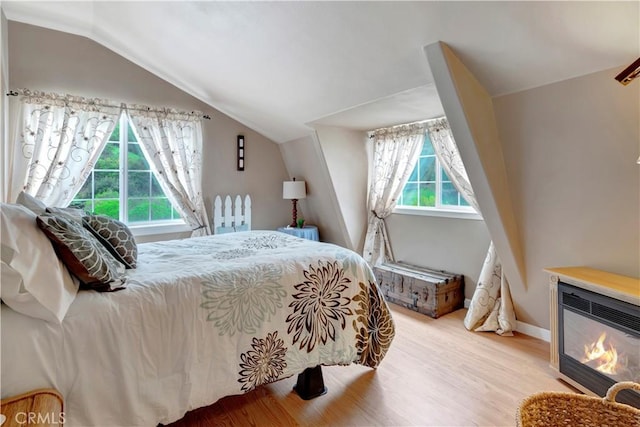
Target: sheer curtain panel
172 143
491 308
59 138
395 153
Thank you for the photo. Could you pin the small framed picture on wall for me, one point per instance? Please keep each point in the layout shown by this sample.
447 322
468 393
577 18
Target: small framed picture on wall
240 151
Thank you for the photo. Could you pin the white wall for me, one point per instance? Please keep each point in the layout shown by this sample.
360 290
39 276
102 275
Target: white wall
305 161
455 245
345 153
570 150
4 88
60 62
469 110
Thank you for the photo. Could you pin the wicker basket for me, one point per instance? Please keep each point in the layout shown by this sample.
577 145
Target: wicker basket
572 409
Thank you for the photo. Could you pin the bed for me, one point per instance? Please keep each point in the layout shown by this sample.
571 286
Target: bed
200 319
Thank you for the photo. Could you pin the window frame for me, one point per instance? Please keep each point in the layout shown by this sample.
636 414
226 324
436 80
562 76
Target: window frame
439 210
138 228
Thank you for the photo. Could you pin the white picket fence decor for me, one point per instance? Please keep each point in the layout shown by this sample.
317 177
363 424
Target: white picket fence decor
233 217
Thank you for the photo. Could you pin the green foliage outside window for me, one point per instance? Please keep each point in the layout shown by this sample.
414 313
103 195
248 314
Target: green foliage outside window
100 194
422 187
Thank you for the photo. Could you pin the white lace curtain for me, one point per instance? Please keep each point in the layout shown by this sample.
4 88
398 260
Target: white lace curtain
491 308
395 153
60 138
172 142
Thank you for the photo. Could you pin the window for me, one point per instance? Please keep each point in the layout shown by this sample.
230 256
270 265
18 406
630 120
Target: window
122 185
429 189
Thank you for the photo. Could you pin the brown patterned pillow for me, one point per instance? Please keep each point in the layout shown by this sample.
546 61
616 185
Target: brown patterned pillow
115 236
83 255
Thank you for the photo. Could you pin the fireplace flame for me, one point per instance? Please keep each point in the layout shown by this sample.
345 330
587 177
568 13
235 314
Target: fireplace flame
606 360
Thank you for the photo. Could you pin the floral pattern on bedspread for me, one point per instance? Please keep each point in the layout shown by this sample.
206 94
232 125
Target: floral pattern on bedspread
374 326
253 299
270 241
321 299
200 319
264 363
234 253
319 305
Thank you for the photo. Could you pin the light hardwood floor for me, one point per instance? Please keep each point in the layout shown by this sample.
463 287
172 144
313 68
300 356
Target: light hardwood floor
436 373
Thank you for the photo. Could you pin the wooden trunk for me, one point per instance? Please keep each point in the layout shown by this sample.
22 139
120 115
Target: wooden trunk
426 291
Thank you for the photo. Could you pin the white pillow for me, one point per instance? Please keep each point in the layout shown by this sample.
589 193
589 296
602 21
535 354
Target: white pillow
28 201
33 280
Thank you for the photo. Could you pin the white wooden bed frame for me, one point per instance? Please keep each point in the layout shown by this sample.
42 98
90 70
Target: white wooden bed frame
233 216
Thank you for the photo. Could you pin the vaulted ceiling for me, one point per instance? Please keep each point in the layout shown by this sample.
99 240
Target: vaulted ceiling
280 67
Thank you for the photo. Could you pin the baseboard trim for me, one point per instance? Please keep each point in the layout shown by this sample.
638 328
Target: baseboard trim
533 331
525 328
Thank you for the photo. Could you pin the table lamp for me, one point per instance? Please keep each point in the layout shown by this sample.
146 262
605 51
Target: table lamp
294 190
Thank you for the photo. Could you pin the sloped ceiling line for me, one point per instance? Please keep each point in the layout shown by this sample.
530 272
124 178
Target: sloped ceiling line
276 66
469 110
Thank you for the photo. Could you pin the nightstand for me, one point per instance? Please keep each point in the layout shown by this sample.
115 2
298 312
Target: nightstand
43 407
309 232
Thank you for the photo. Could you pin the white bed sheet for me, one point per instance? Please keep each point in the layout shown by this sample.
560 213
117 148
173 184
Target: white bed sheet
200 319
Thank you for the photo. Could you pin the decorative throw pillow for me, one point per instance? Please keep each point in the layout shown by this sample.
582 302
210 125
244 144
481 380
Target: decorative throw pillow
33 281
83 254
115 236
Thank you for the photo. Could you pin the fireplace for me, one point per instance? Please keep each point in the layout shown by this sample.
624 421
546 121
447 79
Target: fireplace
595 330
599 341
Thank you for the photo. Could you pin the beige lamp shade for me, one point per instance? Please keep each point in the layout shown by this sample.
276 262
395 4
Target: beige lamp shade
294 190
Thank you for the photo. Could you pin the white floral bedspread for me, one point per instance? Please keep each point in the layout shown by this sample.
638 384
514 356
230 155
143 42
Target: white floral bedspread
200 319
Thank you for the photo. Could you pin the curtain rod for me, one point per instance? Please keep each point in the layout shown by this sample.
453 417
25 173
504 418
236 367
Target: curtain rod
371 132
149 109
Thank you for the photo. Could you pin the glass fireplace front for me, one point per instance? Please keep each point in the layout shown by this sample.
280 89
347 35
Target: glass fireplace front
599 341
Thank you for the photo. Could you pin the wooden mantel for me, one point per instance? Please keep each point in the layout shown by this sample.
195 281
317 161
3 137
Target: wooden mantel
623 288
